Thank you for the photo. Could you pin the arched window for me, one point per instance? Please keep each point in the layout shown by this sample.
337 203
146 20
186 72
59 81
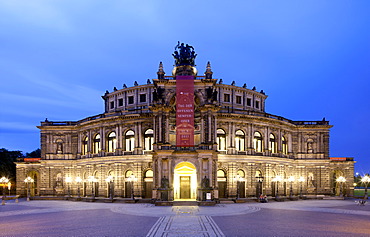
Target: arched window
221 176
241 183
272 143
284 144
129 184
239 140
85 142
221 182
148 140
257 142
112 142
130 140
241 173
96 148
221 140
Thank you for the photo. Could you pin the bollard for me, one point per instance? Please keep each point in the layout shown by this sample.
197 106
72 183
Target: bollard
16 200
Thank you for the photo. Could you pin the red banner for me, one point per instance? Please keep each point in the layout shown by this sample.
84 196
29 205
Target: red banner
184 111
32 159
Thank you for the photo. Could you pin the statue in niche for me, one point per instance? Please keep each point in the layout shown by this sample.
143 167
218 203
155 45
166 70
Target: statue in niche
205 182
59 147
309 146
214 95
164 183
59 180
311 181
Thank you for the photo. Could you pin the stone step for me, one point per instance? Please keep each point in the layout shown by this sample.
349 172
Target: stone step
185 203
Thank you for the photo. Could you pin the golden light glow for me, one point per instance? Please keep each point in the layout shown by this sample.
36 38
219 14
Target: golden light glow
29 180
341 179
185 169
68 179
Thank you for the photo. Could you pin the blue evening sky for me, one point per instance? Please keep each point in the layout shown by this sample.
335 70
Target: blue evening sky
312 58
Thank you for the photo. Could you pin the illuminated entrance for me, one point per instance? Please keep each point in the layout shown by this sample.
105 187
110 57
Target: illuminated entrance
185 181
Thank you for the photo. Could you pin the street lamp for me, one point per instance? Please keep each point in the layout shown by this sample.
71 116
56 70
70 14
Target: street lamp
28 180
277 179
259 182
9 187
78 181
341 180
291 179
365 180
92 179
4 181
68 181
132 179
301 180
109 180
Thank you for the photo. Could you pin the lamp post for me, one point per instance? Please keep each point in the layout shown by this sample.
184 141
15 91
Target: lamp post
277 179
28 180
259 182
301 180
132 179
68 181
78 181
365 180
341 180
291 179
9 187
92 179
109 180
4 181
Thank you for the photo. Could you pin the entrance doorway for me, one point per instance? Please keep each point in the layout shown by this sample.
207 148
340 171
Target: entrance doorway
185 181
184 187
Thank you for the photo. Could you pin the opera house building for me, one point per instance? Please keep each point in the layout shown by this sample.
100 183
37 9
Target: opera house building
185 137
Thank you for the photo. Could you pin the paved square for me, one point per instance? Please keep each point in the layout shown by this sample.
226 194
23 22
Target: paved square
295 218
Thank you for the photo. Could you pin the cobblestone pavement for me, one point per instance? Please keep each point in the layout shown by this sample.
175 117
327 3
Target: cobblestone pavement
294 218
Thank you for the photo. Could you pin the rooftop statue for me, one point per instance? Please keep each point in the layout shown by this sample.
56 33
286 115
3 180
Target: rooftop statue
184 55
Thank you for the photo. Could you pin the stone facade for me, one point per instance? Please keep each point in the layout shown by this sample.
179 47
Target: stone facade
239 148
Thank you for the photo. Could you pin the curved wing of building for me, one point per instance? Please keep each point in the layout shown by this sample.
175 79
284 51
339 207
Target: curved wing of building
236 149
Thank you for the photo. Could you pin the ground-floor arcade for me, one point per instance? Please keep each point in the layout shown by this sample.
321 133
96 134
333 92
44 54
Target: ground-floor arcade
184 177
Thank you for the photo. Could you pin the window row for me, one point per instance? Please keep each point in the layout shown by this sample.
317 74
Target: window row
111 142
130 100
238 100
258 142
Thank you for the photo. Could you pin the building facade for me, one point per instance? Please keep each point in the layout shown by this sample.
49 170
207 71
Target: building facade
238 149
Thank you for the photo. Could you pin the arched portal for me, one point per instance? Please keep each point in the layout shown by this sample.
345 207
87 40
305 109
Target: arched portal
185 181
34 186
336 185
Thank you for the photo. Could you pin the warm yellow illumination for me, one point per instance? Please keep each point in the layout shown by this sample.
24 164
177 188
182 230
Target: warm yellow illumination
185 170
341 179
29 180
365 179
109 179
291 179
277 178
68 180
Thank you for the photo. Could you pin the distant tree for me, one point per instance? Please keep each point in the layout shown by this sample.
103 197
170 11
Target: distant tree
34 154
7 165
